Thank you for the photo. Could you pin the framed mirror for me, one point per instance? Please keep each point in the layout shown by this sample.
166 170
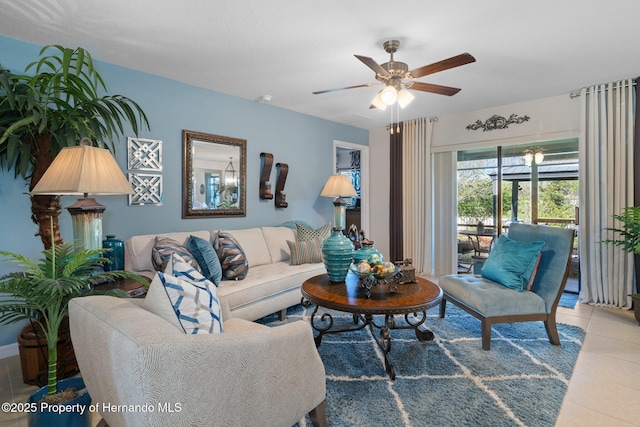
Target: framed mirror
213 175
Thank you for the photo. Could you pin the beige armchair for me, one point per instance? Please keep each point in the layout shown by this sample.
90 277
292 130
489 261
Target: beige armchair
141 371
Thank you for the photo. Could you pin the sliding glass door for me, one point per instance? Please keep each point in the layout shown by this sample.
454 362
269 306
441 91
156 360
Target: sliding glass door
533 183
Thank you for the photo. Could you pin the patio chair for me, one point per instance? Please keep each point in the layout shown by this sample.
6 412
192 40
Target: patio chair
492 302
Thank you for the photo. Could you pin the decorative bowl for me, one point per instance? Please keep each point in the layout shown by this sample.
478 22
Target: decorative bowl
385 276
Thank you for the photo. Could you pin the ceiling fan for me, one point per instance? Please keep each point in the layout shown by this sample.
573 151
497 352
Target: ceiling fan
397 78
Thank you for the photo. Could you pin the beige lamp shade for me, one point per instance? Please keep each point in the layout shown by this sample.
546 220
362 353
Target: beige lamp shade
83 169
338 186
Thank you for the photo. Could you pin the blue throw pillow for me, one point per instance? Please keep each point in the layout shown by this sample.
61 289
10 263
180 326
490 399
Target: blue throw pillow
207 258
512 263
292 224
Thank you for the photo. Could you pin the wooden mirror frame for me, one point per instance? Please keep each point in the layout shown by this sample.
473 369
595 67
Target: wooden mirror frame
188 139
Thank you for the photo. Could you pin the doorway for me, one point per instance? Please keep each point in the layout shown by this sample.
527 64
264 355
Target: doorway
353 160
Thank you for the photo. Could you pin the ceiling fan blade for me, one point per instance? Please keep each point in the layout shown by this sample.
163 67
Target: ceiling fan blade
445 64
440 90
373 65
348 87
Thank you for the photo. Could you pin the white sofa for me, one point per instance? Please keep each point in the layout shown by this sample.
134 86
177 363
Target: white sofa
142 371
271 284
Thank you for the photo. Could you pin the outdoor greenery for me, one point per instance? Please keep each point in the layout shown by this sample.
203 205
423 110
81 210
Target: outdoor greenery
475 196
556 199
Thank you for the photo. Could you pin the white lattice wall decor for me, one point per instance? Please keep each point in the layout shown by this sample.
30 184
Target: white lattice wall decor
144 154
147 188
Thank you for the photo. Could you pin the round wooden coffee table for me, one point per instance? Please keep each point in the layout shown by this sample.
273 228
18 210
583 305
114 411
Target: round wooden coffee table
411 300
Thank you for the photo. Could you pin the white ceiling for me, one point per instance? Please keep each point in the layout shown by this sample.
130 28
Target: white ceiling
290 48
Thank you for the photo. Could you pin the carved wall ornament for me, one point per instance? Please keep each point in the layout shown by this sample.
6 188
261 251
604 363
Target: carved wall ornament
497 122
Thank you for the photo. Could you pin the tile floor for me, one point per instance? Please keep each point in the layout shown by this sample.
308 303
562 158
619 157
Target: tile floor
604 389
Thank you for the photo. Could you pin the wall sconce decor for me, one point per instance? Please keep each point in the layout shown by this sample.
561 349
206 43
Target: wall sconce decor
265 185
281 195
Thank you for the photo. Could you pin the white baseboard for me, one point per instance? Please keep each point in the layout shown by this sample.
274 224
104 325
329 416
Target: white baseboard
8 350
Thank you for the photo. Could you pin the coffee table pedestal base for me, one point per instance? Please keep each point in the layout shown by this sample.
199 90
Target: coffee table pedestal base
323 324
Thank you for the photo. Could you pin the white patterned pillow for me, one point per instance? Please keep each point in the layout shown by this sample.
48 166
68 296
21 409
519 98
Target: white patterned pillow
193 298
305 233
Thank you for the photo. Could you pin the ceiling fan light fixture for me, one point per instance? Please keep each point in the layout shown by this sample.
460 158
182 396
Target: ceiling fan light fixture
389 95
377 102
405 97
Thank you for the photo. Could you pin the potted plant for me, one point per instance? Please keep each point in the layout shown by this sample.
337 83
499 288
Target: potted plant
629 241
59 100
41 292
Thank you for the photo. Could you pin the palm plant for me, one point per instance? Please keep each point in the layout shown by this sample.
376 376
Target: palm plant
629 236
53 108
42 291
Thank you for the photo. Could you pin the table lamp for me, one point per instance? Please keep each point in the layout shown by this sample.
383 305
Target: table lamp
339 186
84 170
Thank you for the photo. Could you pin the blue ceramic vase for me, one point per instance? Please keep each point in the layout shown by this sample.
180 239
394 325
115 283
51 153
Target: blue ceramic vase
337 254
365 253
115 255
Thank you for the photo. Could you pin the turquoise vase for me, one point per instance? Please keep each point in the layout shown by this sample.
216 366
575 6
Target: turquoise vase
115 255
337 254
366 252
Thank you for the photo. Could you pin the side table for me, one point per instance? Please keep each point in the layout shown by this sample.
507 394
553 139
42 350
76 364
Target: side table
133 288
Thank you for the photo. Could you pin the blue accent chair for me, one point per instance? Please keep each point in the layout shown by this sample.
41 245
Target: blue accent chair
493 303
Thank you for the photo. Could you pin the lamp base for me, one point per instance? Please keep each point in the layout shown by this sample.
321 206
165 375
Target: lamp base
86 218
340 213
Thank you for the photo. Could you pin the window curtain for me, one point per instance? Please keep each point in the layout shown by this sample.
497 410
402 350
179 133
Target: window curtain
606 187
445 213
395 195
417 218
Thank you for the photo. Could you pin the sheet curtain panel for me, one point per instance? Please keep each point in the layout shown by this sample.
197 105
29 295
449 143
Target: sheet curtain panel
417 218
445 212
606 175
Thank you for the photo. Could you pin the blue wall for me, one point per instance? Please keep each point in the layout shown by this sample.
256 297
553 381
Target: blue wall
305 143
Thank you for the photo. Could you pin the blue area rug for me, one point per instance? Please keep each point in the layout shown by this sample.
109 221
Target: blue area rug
568 300
449 381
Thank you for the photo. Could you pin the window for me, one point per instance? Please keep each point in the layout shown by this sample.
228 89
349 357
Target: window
530 183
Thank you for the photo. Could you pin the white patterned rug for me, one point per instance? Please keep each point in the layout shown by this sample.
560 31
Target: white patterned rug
449 381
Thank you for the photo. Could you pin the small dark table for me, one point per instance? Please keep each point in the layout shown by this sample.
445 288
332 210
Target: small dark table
133 288
411 300
474 237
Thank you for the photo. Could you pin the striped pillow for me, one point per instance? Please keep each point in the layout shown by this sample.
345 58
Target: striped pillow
232 258
306 252
164 247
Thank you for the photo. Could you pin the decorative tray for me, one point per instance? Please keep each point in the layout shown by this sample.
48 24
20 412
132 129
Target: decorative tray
369 280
